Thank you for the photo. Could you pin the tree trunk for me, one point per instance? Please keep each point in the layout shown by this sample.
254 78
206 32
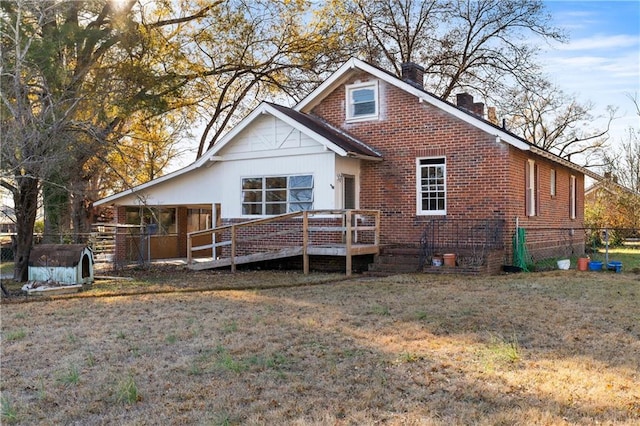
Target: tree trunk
81 210
56 210
25 198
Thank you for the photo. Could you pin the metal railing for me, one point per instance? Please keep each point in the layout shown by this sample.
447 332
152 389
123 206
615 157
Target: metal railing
471 239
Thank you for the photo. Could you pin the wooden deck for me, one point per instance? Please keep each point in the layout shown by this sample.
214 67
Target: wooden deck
290 235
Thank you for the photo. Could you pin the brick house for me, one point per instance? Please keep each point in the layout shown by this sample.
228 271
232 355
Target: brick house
445 177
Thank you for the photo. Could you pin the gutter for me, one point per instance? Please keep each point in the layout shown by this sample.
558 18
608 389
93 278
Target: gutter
352 154
546 154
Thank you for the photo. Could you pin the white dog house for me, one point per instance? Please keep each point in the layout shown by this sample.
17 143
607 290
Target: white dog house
61 263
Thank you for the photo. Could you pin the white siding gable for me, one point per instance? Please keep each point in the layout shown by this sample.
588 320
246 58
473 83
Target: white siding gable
268 133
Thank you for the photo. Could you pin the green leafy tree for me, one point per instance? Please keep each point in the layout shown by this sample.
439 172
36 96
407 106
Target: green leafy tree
252 51
73 74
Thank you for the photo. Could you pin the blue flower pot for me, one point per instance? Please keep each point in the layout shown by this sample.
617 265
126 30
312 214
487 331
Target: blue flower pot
594 265
614 266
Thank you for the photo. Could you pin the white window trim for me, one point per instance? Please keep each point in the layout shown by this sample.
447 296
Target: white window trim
264 203
419 210
573 197
552 183
351 87
531 188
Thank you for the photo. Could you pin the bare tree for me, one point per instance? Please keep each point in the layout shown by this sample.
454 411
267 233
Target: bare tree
273 50
462 44
623 164
485 47
549 118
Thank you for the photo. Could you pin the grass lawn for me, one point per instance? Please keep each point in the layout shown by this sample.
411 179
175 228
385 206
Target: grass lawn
630 257
557 347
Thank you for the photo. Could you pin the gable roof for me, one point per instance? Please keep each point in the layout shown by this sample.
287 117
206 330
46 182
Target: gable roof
610 185
339 141
355 65
352 146
333 139
58 255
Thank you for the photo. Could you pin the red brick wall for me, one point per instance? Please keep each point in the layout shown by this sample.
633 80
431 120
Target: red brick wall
477 166
551 232
485 178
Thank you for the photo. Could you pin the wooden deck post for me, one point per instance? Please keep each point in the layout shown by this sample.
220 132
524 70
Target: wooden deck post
233 248
189 254
348 243
305 242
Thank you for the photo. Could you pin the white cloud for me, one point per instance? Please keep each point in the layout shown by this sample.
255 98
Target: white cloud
599 41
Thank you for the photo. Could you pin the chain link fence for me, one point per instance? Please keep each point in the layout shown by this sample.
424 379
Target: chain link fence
135 242
543 247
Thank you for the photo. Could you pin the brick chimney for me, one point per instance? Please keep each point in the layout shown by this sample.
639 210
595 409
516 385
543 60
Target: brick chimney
492 116
413 74
465 100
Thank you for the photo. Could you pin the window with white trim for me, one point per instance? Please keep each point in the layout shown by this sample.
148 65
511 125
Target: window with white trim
273 195
552 183
531 188
362 101
431 186
572 197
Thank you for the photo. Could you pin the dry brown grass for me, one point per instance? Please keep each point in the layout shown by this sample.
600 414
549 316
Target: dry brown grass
551 348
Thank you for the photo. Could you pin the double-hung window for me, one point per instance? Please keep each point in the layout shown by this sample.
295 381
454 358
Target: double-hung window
362 101
431 186
573 197
273 195
531 189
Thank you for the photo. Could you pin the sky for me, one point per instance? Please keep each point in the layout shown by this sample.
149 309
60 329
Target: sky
601 61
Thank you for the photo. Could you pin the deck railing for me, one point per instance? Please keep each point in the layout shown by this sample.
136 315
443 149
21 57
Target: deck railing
313 232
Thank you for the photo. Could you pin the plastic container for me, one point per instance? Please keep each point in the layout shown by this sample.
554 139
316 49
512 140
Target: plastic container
583 263
595 265
436 261
614 265
564 264
449 259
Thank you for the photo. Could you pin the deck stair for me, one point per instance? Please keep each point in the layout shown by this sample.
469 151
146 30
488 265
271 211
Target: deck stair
102 241
307 233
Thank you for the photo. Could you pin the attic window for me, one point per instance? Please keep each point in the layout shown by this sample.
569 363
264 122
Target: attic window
362 101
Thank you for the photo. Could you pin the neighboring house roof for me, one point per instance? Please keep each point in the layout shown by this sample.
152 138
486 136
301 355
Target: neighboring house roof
608 185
